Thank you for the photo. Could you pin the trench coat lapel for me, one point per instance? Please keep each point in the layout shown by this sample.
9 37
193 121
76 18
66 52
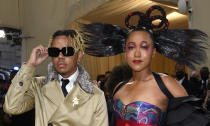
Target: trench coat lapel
76 97
69 104
53 92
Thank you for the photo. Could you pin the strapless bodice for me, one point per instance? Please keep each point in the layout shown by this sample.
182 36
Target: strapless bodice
139 112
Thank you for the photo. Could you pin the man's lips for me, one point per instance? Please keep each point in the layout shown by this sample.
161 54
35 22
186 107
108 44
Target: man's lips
61 64
137 61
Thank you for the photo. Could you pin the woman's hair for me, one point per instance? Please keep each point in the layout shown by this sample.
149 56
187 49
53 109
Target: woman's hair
72 35
119 73
185 46
150 35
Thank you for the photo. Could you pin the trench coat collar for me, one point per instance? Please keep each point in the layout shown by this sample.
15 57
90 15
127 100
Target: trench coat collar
76 97
83 78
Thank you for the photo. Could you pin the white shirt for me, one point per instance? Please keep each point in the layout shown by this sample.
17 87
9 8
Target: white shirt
72 79
180 81
205 83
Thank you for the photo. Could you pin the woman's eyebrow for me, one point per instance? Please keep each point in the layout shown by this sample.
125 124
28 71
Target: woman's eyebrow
131 42
146 42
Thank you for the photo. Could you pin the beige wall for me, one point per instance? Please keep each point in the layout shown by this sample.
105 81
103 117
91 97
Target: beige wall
200 19
40 18
9 13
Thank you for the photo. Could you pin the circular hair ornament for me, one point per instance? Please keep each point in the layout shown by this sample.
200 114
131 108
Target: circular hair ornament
145 20
161 17
140 14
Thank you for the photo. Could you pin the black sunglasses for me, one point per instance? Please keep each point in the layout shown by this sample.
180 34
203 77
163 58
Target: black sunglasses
66 51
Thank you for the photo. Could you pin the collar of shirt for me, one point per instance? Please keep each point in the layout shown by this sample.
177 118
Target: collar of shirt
181 81
72 79
204 82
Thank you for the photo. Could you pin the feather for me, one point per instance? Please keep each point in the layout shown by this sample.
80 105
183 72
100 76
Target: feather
104 39
183 45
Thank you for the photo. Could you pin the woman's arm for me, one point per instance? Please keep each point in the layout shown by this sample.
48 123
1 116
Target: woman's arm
176 89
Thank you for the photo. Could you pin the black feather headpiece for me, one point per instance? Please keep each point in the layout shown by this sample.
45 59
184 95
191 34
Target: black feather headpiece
104 39
186 46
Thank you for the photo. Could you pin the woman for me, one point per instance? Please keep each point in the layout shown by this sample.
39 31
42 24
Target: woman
142 99
141 92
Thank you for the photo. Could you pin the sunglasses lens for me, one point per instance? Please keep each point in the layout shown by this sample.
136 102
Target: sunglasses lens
53 52
68 51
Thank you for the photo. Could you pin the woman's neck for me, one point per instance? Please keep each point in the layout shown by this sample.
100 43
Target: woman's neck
141 75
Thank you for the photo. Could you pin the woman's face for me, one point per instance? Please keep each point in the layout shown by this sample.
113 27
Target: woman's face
139 50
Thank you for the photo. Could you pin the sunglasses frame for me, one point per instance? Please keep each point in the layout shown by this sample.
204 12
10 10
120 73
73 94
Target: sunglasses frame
66 51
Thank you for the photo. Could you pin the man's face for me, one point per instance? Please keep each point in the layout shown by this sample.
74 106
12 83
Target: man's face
64 65
204 72
180 67
180 71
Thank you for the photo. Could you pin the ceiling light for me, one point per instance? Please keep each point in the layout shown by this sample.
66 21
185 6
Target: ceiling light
175 15
2 34
16 68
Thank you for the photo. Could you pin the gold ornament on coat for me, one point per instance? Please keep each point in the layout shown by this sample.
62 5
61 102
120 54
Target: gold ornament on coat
75 101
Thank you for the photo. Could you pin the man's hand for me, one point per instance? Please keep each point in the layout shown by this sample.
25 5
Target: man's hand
38 55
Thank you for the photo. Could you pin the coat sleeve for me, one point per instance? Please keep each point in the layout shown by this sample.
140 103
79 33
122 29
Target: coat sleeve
101 112
20 97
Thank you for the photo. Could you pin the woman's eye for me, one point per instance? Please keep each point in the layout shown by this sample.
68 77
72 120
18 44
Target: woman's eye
145 47
131 47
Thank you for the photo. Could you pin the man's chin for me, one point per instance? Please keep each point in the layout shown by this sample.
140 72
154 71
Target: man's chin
63 74
61 70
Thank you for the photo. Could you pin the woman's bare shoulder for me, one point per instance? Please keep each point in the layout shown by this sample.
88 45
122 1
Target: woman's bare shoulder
176 89
116 89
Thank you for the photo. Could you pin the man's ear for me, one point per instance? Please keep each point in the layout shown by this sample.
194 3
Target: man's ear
153 52
80 55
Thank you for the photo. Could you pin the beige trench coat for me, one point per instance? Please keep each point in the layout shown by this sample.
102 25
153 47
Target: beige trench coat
79 108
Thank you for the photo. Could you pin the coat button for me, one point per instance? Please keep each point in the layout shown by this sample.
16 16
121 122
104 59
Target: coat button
50 124
21 83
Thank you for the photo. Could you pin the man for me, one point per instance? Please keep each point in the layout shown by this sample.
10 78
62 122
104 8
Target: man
195 83
58 101
100 80
204 73
106 77
181 77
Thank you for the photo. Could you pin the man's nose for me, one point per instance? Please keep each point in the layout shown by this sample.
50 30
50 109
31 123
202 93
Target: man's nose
60 55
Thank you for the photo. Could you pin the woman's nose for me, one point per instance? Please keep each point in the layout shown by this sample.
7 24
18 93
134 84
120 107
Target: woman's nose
137 53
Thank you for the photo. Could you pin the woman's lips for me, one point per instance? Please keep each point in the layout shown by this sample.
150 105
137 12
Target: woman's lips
137 61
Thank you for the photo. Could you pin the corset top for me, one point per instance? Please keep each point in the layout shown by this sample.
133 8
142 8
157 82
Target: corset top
139 112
